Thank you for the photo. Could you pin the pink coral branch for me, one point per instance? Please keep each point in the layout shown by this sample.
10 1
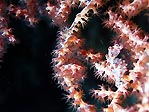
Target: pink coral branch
72 60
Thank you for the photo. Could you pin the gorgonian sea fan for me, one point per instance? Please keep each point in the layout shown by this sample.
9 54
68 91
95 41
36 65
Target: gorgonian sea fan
121 66
114 69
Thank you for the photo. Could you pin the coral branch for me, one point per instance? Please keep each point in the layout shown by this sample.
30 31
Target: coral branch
134 8
121 70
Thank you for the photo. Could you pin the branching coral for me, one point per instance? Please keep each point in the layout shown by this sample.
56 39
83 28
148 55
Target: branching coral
125 66
129 82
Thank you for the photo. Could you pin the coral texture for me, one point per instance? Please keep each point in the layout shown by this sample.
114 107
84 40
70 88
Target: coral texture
122 73
70 57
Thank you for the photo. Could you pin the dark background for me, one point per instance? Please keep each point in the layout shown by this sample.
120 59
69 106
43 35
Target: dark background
26 83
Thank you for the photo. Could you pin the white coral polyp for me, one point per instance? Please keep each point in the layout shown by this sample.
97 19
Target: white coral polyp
113 67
